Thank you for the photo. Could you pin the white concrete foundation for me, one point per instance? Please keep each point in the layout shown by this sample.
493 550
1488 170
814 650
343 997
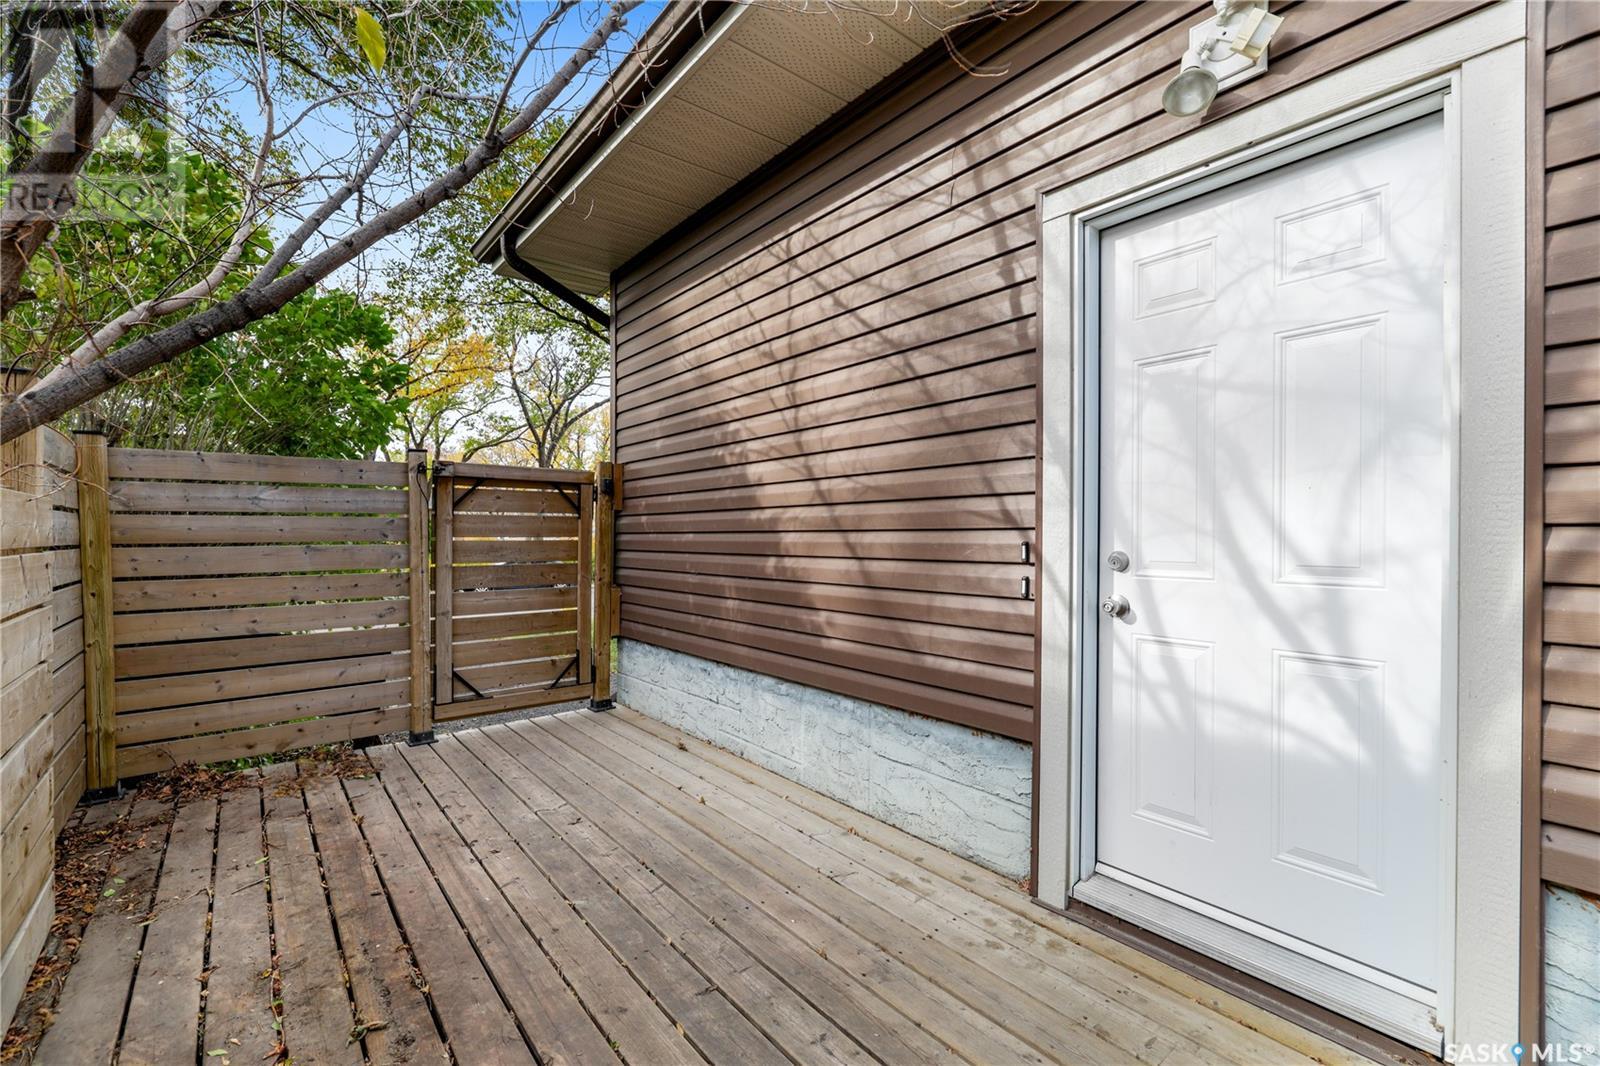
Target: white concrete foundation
966 791
1571 968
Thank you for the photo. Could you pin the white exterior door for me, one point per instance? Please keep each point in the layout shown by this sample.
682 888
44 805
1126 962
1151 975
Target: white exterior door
1275 465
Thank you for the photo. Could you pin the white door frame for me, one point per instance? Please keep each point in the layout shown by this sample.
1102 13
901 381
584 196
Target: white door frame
1475 69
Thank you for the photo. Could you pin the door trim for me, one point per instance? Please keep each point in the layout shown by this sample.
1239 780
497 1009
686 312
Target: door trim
1473 70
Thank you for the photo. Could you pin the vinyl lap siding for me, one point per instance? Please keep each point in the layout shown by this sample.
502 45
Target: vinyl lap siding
825 384
1571 773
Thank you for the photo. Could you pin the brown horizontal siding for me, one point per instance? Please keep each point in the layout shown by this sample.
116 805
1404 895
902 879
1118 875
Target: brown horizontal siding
1572 797
774 381
907 424
1572 375
972 546
825 403
964 387
1005 512
1571 857
981 479
1570 781
1572 193
811 460
1572 614
1572 736
972 579
995 614
961 643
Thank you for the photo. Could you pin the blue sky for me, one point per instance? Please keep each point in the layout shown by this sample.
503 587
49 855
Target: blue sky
573 30
324 131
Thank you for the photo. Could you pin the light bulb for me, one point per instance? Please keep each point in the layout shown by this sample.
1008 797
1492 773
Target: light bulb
1191 92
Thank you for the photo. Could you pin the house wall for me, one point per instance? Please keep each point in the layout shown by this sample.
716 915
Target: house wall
1570 837
825 383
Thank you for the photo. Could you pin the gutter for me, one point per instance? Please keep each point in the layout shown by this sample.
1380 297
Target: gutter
513 259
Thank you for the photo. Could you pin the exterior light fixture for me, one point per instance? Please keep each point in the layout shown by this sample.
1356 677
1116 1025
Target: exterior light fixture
1229 48
1191 92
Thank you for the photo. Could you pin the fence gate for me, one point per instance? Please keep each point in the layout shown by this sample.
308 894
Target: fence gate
515 589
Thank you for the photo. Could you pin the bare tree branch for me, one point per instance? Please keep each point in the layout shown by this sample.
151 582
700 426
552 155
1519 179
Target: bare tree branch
68 386
147 38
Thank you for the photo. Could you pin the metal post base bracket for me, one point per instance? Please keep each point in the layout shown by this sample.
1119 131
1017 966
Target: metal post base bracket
602 705
421 738
102 795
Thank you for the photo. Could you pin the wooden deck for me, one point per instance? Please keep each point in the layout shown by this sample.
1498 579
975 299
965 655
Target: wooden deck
588 887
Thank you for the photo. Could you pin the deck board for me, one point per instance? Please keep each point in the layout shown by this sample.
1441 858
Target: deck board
695 1004
163 1012
239 1018
476 1022
392 1013
318 1017
786 1017
620 1008
981 1016
551 1016
85 1030
586 888
1098 992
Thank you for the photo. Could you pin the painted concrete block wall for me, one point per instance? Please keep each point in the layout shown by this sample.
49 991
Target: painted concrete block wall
966 791
1571 967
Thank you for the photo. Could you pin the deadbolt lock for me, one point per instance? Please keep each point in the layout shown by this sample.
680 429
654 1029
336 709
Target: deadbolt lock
1118 561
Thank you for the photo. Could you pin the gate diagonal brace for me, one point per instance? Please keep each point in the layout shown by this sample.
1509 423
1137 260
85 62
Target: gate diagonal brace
570 666
477 695
456 503
572 501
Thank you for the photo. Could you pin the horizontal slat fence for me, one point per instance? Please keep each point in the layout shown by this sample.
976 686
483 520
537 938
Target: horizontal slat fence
59 463
41 686
260 604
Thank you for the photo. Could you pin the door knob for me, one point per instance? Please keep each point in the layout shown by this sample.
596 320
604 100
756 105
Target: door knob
1114 606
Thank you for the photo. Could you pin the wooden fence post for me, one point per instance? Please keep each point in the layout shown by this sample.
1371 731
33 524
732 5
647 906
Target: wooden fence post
417 543
588 625
604 554
19 458
99 667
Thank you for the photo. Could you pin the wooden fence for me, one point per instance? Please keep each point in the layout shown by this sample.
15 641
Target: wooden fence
260 603
263 603
41 689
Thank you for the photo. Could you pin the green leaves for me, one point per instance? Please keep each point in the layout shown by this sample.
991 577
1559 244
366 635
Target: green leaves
369 35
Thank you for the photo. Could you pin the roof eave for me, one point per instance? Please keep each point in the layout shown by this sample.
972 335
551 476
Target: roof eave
667 40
